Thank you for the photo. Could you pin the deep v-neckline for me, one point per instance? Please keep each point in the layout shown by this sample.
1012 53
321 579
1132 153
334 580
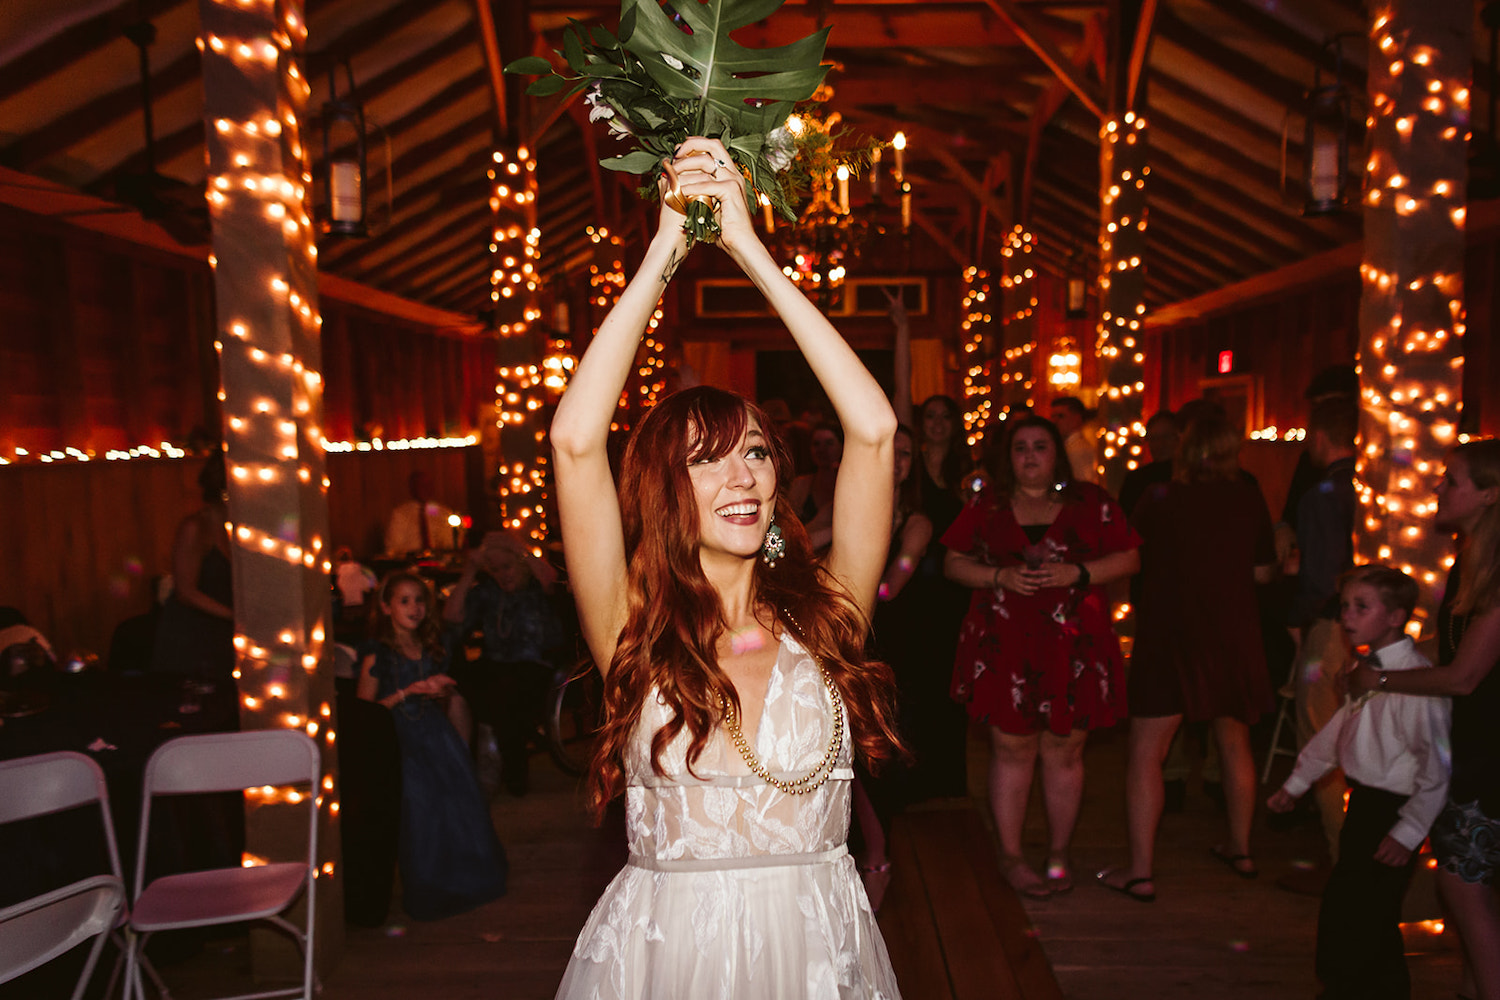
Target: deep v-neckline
753 738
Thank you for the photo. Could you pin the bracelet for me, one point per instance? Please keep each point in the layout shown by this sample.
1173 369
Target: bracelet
1083 575
1383 678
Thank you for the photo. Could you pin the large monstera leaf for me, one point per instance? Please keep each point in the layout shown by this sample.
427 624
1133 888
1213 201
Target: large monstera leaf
739 91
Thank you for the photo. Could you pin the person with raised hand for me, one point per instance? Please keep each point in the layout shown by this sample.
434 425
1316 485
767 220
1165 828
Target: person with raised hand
737 689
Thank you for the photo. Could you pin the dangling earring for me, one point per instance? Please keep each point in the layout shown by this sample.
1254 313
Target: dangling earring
774 546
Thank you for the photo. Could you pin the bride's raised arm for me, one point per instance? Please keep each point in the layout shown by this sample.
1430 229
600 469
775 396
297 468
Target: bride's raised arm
588 508
862 496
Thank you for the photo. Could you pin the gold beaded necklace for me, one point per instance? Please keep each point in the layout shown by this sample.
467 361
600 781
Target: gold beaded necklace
813 779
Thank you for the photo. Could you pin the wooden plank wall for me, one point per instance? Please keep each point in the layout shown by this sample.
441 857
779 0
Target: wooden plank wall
1284 341
105 344
83 543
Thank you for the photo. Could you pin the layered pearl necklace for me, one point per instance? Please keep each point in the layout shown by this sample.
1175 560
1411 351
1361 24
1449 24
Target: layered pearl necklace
813 779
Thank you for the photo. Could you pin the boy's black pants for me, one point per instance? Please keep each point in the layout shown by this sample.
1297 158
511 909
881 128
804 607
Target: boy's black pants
1360 952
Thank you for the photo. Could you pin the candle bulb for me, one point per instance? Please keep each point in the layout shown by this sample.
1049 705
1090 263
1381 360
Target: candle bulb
843 175
905 208
765 204
875 173
455 522
899 144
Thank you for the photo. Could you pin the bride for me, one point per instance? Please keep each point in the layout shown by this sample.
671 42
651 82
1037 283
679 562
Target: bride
737 690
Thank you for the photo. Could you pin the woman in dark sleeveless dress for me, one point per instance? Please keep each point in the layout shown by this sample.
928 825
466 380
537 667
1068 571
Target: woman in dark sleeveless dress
195 635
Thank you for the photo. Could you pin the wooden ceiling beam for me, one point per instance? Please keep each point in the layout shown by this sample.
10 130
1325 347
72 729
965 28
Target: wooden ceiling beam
1140 53
73 44
34 148
1166 217
983 195
1036 39
413 256
1091 50
347 256
1249 70
403 71
1209 273
939 236
468 269
1284 36
364 35
423 113
489 41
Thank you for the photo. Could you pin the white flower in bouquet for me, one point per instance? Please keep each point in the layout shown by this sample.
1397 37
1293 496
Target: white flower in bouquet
780 149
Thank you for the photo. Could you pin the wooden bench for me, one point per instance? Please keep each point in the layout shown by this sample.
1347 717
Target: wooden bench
954 927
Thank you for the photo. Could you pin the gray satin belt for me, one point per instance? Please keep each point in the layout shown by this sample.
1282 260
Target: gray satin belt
750 861
727 780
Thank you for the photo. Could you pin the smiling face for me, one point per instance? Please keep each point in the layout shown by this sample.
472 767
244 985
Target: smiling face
937 423
1033 458
1461 503
405 605
735 494
1366 619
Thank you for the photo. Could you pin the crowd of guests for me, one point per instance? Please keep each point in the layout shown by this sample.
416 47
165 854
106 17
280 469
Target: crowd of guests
1008 564
997 604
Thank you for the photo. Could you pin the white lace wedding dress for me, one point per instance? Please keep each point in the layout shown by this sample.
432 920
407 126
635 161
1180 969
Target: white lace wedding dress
735 889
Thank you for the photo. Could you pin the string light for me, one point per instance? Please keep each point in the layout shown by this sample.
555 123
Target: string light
977 309
520 383
1122 287
1412 311
1018 320
258 192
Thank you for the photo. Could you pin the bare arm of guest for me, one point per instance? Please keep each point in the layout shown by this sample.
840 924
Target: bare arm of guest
1472 662
916 533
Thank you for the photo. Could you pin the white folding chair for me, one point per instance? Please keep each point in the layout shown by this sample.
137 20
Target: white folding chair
225 762
35 932
38 930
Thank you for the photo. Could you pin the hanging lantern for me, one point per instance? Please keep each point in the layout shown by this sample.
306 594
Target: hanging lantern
1326 116
344 162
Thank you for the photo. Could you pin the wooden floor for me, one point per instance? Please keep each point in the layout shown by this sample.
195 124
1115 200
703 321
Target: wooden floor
953 928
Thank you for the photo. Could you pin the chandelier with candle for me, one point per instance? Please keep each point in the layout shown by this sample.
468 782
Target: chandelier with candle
818 248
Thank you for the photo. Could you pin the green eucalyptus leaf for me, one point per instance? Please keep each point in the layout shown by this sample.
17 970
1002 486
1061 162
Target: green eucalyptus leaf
602 37
546 86
573 51
627 25
529 66
637 162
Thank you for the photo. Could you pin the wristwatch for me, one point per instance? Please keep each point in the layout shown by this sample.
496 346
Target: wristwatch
1383 678
1083 575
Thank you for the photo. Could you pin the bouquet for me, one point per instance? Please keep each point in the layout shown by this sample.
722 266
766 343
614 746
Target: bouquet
674 72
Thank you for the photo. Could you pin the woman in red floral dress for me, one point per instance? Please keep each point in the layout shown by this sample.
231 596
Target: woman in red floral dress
1038 660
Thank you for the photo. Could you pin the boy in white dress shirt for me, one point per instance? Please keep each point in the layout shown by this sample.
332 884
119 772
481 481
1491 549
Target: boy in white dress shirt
1393 749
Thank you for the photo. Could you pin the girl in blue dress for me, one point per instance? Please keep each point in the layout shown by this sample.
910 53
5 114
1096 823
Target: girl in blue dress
451 860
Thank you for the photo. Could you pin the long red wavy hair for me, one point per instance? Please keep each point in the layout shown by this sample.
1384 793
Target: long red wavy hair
675 618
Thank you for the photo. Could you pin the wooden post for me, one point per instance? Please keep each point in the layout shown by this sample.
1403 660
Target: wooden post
1411 316
265 279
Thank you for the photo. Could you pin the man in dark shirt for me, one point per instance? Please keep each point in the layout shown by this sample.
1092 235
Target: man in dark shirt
1325 528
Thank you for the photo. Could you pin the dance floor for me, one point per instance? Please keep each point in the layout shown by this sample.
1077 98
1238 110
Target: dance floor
953 928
